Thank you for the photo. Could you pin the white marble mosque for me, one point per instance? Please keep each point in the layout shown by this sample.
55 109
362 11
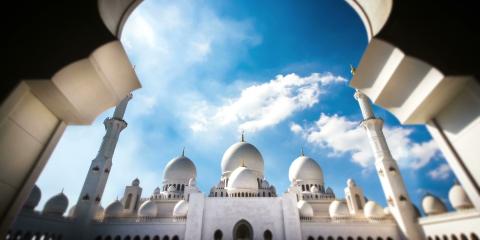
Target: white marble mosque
244 205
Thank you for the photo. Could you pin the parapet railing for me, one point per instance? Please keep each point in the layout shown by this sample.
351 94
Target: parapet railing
325 219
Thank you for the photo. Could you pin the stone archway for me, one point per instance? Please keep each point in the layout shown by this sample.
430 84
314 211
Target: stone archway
242 230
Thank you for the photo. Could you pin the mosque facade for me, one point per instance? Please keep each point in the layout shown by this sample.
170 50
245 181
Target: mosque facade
244 204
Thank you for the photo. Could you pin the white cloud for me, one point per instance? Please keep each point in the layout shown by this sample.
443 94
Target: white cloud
295 128
264 105
442 172
343 136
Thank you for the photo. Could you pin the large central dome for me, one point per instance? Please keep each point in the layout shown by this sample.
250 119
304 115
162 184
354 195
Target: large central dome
242 153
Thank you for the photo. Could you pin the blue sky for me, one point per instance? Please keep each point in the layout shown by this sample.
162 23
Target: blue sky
277 70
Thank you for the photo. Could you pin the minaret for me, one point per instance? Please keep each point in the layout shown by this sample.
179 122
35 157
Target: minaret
392 182
97 176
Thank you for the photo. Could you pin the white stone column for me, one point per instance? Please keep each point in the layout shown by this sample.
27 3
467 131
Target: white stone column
392 182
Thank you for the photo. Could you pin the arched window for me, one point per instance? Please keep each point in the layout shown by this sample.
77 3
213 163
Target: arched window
330 238
437 238
98 237
242 230
146 238
389 238
349 238
183 187
359 238
303 188
218 235
269 194
267 235
444 237
463 237
118 238
369 238
379 238
243 194
473 236
221 194
310 238
453 237
136 238
320 238
27 235
175 237
264 194
165 238
339 238
108 238
215 194
156 237
127 238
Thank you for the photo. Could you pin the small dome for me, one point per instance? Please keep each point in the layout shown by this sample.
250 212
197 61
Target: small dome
305 209
136 182
338 209
241 180
180 209
57 205
372 210
148 209
351 183
115 209
386 210
433 205
458 198
306 169
329 191
314 189
156 191
180 168
265 184
242 152
34 198
71 211
100 213
171 189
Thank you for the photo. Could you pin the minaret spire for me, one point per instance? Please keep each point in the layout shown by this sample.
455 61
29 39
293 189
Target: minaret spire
183 152
242 139
100 167
302 153
392 182
121 107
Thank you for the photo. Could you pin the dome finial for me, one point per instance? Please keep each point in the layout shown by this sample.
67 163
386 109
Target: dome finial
352 70
302 153
243 136
243 163
183 151
62 190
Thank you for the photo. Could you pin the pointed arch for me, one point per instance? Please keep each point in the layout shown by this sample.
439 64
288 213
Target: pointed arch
242 230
